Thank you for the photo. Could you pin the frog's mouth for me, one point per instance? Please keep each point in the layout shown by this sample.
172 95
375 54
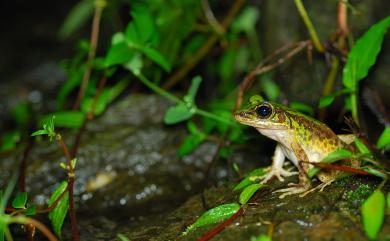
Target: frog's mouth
250 118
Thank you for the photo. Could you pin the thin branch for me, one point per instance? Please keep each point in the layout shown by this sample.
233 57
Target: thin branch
204 50
211 18
262 68
38 225
91 55
23 165
342 17
90 116
309 25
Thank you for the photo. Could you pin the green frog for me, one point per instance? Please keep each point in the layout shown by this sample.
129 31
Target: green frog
300 138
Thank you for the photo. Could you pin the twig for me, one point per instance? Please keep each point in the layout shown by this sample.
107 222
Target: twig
262 68
92 52
23 165
71 177
309 25
211 18
342 17
38 225
89 116
178 75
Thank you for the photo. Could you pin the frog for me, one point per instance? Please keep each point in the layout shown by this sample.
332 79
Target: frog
300 138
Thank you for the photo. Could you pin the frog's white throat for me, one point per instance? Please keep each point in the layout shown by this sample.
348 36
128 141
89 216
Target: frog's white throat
282 136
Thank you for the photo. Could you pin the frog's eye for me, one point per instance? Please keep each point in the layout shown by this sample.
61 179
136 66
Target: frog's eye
264 111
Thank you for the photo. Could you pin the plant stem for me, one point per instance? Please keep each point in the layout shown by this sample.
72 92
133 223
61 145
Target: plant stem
204 50
37 224
173 98
354 107
157 89
309 26
214 117
99 6
71 177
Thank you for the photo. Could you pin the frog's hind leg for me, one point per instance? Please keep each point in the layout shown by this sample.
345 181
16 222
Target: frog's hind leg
302 187
319 187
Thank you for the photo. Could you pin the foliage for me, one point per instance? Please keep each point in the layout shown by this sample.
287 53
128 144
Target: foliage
373 213
214 215
58 213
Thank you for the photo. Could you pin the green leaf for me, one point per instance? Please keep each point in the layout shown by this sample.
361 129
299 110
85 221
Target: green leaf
190 143
119 53
271 89
246 21
9 140
363 149
77 16
388 201
39 133
262 237
132 35
20 200
384 138
30 211
195 82
57 215
363 55
214 215
135 64
156 57
122 237
258 172
248 192
302 107
143 22
177 114
67 119
3 225
21 113
373 213
326 101
105 98
332 157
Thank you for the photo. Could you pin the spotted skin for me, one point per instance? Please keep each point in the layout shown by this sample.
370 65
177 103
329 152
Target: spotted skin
303 139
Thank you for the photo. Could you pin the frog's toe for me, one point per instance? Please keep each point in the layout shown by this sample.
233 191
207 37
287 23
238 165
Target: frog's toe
294 189
279 173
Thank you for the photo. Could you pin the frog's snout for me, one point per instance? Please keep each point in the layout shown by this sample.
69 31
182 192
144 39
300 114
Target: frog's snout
243 114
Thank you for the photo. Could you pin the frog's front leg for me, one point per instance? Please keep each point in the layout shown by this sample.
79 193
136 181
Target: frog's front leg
302 187
277 167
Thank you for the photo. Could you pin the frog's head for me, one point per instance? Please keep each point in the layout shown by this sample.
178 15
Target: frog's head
263 115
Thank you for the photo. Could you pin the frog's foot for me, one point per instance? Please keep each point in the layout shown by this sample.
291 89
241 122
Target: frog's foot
319 187
278 172
294 189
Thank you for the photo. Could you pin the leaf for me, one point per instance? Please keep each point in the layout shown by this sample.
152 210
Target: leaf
388 201
214 215
143 22
384 138
177 114
57 215
262 237
119 53
122 237
246 21
106 97
67 119
9 140
156 57
363 149
326 101
332 157
258 172
190 143
271 89
20 200
302 107
3 225
77 16
135 64
195 82
363 55
30 211
248 192
373 213
39 133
